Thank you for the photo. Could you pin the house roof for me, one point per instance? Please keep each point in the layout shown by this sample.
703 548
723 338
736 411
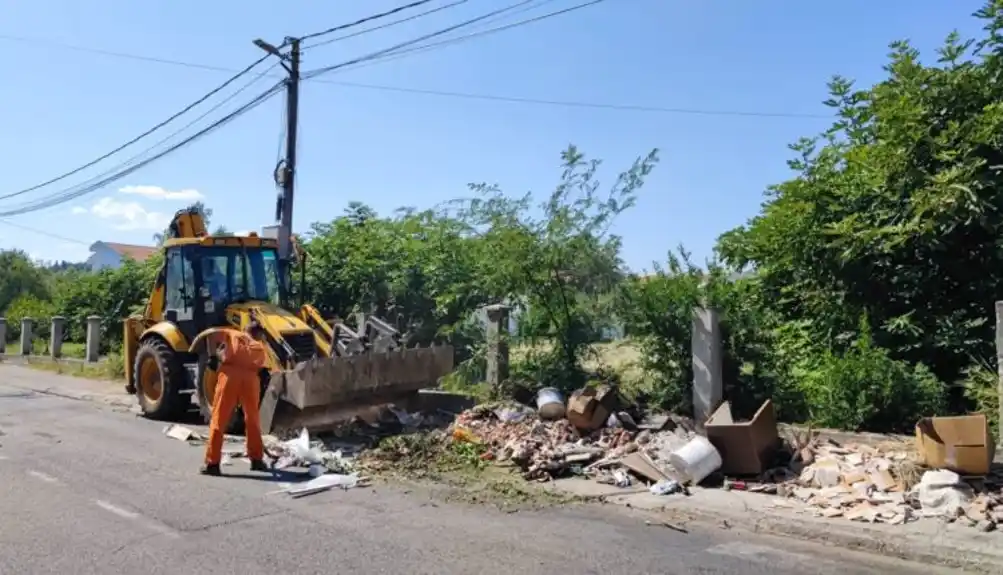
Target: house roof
138 253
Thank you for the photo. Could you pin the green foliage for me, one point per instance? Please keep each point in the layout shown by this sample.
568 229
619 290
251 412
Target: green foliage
559 268
29 306
981 385
19 277
865 389
894 213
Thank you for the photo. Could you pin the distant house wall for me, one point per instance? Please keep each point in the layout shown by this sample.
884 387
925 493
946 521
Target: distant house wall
103 257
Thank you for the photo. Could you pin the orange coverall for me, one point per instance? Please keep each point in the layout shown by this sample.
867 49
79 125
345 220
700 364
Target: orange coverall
237 381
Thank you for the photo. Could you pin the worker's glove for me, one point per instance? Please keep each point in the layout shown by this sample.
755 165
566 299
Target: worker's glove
213 362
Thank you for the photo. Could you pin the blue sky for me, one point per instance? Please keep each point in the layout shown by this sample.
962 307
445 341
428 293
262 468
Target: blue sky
64 107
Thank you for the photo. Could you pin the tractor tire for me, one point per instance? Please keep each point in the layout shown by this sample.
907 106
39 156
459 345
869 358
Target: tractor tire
205 387
159 378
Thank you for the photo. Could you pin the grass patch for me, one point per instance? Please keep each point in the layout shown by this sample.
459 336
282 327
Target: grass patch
458 467
109 370
71 350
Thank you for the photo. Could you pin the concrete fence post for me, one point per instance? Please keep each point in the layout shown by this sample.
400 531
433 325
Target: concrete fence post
708 384
26 336
497 352
56 337
93 339
3 335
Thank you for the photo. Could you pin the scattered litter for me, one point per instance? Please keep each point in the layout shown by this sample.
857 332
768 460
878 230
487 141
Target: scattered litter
942 493
324 483
696 460
182 433
665 487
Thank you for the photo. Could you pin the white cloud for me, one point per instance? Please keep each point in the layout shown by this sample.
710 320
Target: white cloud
159 193
128 215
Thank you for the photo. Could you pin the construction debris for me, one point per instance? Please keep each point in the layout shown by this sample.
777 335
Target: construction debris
870 482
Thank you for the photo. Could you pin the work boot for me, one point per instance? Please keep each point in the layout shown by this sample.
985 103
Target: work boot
258 465
211 469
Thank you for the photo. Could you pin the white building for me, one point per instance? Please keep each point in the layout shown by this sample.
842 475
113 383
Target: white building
110 255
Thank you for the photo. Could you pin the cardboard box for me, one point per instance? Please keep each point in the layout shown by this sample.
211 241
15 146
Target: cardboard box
589 408
746 448
962 444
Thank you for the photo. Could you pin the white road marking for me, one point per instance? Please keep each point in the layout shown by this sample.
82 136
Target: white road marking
116 510
43 476
4 458
133 516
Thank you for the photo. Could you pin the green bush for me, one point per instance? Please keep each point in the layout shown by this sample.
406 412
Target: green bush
865 389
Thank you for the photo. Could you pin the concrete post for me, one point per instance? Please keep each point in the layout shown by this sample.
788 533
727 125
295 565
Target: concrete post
497 352
26 336
56 337
999 362
3 335
708 384
93 339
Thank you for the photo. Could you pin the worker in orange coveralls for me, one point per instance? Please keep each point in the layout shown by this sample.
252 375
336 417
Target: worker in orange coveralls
241 359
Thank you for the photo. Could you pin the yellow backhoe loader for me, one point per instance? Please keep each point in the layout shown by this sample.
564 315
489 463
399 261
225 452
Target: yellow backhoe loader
320 372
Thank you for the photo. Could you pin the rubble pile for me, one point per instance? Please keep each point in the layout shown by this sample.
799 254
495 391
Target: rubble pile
859 482
544 449
888 484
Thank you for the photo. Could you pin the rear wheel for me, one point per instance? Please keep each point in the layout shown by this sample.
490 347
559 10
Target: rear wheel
158 380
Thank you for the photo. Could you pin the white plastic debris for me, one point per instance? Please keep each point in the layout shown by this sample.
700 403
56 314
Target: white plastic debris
300 450
664 487
942 493
324 483
620 478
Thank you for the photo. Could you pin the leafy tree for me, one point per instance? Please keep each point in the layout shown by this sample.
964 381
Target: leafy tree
20 277
558 266
894 216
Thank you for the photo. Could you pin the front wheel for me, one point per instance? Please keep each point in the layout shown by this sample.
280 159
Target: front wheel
158 380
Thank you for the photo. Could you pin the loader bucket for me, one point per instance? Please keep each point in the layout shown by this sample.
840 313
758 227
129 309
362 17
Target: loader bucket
321 393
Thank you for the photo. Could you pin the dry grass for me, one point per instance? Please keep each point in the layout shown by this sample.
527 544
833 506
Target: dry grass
623 356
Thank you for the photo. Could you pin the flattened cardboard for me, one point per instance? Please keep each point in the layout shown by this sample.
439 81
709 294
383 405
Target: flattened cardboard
962 444
746 448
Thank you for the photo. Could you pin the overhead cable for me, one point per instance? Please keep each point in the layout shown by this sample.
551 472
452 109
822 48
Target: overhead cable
383 26
365 20
450 41
184 111
394 48
72 194
172 135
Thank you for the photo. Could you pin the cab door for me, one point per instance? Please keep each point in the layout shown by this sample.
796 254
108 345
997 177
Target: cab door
180 301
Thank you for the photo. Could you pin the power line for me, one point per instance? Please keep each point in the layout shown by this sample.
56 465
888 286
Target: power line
186 109
464 38
383 26
42 232
71 194
441 93
132 159
365 20
378 53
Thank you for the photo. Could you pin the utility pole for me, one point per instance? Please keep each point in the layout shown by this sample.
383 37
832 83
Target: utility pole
285 172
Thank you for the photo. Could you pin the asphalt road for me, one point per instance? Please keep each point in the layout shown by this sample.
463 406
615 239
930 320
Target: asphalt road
88 489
